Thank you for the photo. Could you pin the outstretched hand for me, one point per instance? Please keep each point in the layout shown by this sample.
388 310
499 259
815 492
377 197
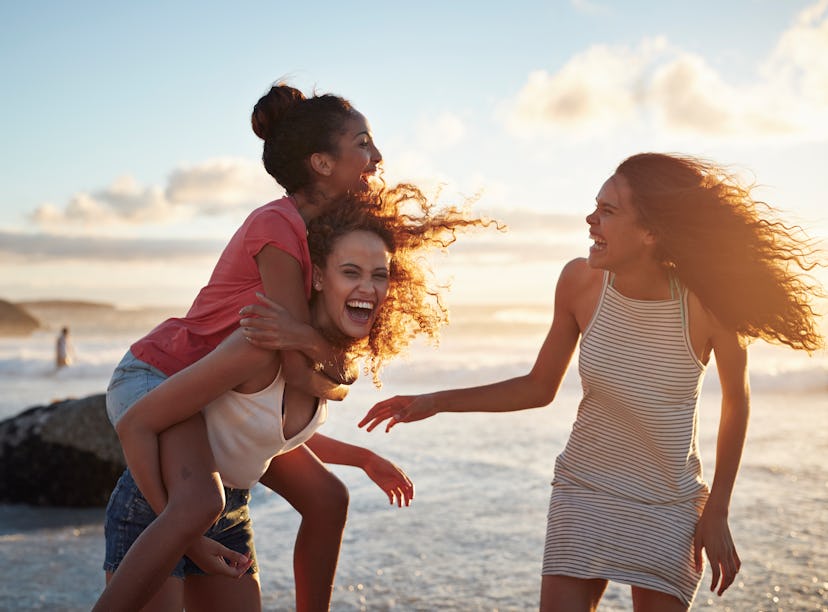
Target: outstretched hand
713 534
391 479
270 326
216 559
399 409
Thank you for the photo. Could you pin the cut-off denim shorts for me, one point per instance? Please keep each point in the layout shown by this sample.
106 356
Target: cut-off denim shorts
128 512
131 380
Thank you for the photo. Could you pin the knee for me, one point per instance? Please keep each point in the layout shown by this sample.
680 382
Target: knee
338 499
330 505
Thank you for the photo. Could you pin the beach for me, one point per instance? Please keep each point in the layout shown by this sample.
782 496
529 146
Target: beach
473 538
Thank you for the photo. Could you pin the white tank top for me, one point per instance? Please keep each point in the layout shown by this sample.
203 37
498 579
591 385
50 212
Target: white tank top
245 432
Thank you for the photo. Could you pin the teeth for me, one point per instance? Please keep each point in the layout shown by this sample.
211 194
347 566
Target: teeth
360 304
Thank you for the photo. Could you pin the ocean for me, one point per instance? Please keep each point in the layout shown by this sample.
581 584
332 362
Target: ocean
473 538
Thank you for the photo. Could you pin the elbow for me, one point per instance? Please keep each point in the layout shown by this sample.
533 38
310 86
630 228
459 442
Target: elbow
130 428
544 398
540 392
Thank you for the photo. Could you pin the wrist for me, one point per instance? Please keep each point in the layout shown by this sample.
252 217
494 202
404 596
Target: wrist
439 402
717 505
365 457
313 344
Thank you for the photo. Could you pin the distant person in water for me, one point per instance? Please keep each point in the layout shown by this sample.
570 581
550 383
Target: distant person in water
684 265
64 353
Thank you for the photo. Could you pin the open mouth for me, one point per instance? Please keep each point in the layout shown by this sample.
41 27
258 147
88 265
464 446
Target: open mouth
368 175
359 310
598 244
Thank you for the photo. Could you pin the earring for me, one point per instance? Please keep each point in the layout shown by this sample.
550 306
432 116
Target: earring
318 286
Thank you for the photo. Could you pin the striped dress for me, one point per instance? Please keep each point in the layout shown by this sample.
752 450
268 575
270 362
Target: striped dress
628 488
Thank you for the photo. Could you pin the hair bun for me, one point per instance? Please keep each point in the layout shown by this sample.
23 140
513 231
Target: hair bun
271 108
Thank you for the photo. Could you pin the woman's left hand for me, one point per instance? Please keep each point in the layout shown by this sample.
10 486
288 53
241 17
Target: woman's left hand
270 326
391 479
713 534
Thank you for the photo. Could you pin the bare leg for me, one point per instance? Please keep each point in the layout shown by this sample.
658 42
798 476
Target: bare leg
220 593
195 500
322 500
169 598
567 594
648 600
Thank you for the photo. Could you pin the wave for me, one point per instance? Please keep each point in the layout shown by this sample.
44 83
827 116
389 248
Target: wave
482 344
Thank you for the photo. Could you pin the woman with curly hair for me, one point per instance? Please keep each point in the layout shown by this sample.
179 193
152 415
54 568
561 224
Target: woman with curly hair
318 148
684 264
370 298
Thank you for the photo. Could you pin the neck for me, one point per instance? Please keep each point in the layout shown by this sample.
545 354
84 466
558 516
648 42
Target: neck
651 282
311 202
322 323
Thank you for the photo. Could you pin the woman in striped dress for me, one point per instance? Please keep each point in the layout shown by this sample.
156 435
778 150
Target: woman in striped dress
684 264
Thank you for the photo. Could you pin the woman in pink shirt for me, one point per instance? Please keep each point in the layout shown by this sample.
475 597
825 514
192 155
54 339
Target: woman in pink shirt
318 149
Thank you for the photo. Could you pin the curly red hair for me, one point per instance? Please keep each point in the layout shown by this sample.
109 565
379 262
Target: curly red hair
410 225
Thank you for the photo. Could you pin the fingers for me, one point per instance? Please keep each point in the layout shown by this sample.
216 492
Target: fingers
729 571
234 566
255 310
724 571
260 321
697 553
401 495
266 300
239 566
393 410
267 308
405 494
374 418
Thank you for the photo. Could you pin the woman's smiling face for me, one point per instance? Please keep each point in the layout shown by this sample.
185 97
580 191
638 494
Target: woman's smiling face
352 285
618 237
357 156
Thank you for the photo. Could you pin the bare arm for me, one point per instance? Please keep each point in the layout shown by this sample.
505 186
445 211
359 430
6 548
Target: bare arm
712 531
387 476
177 399
535 389
284 285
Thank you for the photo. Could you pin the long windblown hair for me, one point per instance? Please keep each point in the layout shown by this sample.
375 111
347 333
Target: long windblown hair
411 227
748 267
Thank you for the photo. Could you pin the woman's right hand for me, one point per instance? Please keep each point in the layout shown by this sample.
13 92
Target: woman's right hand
270 326
400 409
216 559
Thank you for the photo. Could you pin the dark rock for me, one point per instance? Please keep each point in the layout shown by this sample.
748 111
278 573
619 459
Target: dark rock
15 321
63 454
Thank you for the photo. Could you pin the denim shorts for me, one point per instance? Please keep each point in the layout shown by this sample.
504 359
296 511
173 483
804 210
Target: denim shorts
128 514
131 380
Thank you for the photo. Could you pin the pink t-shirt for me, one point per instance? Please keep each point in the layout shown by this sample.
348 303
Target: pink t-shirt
179 342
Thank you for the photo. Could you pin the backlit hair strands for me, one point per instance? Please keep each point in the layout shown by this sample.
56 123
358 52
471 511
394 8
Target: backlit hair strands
746 266
411 227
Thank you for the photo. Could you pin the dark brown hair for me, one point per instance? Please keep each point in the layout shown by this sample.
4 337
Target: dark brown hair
294 127
744 264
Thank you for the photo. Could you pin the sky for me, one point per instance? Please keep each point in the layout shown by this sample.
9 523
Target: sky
127 158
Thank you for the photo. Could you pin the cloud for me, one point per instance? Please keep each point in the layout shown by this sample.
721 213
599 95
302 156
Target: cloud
32 247
530 234
218 185
596 90
441 132
213 187
657 85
